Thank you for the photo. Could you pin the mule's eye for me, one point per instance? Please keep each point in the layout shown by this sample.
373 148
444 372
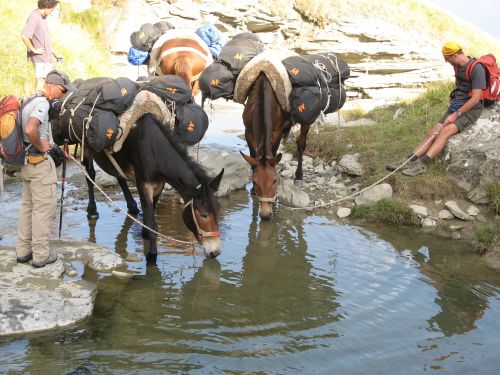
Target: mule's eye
204 215
275 182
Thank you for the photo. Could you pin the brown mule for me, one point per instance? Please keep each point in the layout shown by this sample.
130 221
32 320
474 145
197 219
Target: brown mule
185 58
266 124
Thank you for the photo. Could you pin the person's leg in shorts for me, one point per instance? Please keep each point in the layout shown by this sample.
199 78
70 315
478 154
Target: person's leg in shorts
467 119
41 71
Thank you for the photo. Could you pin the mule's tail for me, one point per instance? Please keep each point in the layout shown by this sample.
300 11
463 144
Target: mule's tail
182 68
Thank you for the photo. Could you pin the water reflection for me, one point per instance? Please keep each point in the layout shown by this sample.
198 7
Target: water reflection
454 271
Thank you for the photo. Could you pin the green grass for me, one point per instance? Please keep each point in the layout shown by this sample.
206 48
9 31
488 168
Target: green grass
385 211
487 235
494 195
390 140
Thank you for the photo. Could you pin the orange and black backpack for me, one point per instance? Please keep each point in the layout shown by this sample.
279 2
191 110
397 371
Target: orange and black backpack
11 136
12 147
492 92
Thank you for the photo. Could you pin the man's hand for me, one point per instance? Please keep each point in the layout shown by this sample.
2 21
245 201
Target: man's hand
38 51
451 119
57 155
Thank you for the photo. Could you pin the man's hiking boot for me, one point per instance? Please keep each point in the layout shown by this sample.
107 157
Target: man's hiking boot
396 165
50 259
415 168
25 259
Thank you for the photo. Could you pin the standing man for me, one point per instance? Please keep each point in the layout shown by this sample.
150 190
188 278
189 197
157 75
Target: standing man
39 200
37 39
464 110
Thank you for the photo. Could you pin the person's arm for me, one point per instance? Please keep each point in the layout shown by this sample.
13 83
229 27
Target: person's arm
469 104
33 133
29 45
478 81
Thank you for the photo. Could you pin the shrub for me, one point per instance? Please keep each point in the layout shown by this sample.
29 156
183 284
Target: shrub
494 195
386 211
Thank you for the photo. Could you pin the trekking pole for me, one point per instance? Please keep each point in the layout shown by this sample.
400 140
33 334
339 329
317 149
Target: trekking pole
66 152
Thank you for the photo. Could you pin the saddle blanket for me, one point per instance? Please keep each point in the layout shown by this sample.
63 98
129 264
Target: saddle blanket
156 56
268 62
144 102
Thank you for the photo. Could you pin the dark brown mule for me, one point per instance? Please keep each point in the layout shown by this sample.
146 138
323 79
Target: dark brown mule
265 125
179 57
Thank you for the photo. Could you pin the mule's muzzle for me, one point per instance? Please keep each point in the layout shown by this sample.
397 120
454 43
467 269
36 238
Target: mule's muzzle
211 246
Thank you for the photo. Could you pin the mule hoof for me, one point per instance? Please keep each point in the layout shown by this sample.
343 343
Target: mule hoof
93 216
298 183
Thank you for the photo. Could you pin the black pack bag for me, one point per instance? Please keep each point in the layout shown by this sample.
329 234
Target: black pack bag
333 64
249 36
144 38
302 72
191 123
115 95
239 51
100 130
84 87
337 99
306 103
169 87
217 81
163 27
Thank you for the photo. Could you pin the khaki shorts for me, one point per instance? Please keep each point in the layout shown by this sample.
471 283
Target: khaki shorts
467 119
42 69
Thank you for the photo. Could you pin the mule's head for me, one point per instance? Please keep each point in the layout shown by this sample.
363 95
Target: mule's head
265 182
201 216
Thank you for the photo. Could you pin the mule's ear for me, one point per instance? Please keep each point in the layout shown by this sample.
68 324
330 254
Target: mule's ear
249 159
214 184
276 159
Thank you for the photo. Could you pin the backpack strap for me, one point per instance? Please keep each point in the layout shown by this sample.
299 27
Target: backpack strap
469 69
25 102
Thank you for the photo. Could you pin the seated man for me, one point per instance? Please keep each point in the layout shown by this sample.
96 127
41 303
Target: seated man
464 110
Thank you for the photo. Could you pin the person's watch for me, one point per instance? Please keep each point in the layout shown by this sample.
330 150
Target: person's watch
458 113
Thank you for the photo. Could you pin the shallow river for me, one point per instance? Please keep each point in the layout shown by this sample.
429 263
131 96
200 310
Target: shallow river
301 294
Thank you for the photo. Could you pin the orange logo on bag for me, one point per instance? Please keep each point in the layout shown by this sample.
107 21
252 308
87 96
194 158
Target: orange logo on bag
215 82
301 107
190 126
295 71
173 90
124 91
238 56
109 133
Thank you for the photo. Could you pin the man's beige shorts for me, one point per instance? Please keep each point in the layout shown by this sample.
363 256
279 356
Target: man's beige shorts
467 119
42 69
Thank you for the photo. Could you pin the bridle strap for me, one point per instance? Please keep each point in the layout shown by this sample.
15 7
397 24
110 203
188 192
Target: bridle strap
202 233
264 199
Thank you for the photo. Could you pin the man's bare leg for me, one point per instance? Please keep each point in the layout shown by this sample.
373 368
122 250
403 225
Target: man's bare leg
423 146
438 145
39 83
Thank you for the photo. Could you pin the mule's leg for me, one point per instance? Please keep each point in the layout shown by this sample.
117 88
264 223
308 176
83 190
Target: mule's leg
301 146
131 203
148 218
92 213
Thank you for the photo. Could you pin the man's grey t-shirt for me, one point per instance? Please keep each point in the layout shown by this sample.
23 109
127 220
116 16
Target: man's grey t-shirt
38 108
37 30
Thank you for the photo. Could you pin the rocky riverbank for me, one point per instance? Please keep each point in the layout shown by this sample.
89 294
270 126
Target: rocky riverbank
388 65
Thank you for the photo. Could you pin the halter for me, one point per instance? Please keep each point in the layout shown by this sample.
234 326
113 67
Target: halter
264 199
202 233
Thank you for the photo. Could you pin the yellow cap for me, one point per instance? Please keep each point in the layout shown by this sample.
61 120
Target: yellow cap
449 48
